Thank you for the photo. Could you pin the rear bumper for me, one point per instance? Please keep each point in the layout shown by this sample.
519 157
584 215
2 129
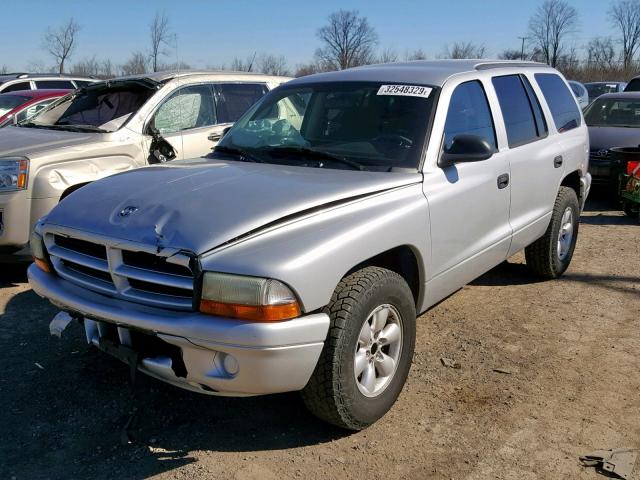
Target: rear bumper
220 356
585 188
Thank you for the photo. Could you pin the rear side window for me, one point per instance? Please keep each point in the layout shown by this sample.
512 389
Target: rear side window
233 99
55 84
562 103
14 87
523 118
469 114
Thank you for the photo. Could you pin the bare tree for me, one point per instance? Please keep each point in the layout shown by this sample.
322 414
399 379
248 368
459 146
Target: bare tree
37 66
549 27
511 54
61 42
625 16
601 54
248 65
464 50
137 64
308 69
348 41
270 64
417 54
160 37
388 55
4 69
86 67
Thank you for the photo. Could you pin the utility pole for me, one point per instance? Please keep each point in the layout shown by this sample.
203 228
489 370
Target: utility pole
522 51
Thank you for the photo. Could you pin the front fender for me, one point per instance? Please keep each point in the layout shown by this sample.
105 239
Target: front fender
313 253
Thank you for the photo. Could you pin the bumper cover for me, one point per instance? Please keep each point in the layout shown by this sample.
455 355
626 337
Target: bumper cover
221 356
585 188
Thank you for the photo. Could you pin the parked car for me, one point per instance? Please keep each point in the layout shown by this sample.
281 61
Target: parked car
110 127
12 82
340 205
614 121
22 105
633 85
596 89
580 93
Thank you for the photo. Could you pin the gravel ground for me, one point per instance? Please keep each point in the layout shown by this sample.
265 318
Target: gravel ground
567 350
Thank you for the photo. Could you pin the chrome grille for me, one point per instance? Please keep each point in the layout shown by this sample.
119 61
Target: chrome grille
127 271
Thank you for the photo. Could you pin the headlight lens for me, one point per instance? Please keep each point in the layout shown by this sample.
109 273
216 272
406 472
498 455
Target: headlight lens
13 173
247 298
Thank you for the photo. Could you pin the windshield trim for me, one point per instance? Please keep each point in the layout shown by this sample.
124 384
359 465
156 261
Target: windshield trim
428 130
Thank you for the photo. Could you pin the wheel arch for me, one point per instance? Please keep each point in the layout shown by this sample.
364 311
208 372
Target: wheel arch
72 189
572 180
402 260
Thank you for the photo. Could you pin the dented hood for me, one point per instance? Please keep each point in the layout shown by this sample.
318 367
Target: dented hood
18 141
197 208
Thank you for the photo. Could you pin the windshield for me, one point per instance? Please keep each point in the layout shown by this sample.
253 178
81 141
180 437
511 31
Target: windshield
612 112
9 102
364 126
100 108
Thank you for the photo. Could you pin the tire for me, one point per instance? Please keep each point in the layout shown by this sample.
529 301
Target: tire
334 393
551 254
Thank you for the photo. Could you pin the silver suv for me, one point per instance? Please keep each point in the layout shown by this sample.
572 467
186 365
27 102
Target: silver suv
336 209
109 127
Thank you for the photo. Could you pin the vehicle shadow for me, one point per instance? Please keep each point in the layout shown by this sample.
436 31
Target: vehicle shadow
12 274
71 411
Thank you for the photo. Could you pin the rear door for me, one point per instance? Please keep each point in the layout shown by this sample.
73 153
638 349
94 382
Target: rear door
531 151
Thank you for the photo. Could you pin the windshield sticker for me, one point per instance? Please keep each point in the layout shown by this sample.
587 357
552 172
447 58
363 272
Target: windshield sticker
405 90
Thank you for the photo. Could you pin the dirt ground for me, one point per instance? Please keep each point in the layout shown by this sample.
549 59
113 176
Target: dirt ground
570 348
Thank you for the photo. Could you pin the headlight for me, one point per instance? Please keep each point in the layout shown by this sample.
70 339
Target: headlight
247 298
36 244
13 173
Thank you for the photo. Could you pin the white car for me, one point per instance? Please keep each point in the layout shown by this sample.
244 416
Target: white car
13 82
109 127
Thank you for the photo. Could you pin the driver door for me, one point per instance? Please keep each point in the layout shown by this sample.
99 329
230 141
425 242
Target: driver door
468 204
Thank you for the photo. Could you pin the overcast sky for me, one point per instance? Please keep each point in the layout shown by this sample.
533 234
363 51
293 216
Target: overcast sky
214 32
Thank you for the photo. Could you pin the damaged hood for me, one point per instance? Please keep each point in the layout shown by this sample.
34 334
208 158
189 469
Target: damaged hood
19 141
198 208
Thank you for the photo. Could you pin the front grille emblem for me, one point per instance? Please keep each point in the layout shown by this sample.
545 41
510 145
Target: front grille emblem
126 211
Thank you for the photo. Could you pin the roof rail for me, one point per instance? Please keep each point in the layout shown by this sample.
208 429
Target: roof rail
508 63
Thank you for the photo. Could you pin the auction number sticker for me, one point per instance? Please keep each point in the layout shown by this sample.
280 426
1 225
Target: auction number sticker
405 90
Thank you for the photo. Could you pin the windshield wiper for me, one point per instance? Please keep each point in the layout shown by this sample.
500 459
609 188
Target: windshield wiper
70 128
310 152
242 155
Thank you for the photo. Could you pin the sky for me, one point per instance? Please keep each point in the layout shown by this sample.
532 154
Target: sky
213 32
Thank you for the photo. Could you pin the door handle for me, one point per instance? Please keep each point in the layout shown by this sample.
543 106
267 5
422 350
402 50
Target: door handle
214 137
557 162
503 181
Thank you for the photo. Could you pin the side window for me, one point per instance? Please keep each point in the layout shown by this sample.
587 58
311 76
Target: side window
469 113
55 84
82 83
233 99
562 103
14 87
516 110
33 109
187 108
541 122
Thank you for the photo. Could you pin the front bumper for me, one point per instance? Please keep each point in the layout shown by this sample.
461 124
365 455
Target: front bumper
216 355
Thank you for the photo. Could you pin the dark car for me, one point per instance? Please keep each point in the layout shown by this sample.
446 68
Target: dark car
18 106
614 121
596 89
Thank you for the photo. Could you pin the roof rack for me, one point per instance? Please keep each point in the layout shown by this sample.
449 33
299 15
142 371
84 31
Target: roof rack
507 63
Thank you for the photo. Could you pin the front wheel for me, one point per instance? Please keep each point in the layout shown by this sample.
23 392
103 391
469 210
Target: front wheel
551 254
368 351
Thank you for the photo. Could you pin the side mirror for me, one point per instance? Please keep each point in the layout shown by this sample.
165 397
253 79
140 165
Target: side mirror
466 148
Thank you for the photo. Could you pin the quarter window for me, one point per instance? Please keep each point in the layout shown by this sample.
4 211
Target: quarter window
516 110
190 107
55 84
562 103
235 98
469 114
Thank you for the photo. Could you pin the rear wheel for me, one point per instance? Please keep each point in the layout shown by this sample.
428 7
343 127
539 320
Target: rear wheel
551 254
368 351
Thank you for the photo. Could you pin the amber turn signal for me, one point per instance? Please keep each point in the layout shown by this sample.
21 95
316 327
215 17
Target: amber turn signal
255 313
